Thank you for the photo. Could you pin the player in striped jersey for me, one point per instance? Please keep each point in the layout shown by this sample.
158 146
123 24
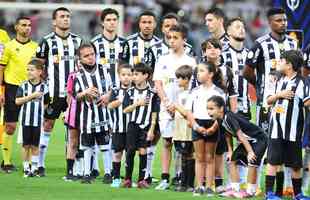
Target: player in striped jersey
142 103
137 45
92 89
162 46
120 120
260 67
215 20
288 99
109 46
17 52
31 96
58 50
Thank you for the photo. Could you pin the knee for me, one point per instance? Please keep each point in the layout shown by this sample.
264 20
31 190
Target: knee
10 128
199 157
210 158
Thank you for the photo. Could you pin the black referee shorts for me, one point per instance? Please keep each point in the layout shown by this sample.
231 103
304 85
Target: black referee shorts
284 152
31 135
11 110
136 137
102 139
56 106
118 142
259 147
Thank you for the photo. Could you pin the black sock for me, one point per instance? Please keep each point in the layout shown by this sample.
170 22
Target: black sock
116 169
218 181
184 174
279 183
297 182
130 157
142 166
269 182
191 172
165 176
70 164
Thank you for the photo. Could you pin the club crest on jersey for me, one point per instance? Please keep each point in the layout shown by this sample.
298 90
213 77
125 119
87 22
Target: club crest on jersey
56 59
293 4
103 61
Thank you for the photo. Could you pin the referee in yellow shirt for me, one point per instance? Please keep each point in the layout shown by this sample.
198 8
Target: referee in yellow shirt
4 38
13 71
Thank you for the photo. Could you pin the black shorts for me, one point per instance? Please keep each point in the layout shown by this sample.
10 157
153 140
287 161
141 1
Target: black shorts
31 135
102 139
136 137
56 106
259 147
11 110
207 138
184 147
118 142
221 147
284 152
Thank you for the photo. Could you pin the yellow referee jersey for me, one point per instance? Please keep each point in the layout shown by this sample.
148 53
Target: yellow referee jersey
4 37
15 58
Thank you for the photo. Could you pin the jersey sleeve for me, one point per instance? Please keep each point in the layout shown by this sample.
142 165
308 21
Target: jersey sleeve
232 123
19 92
158 76
42 50
255 56
5 56
155 103
128 98
190 101
114 94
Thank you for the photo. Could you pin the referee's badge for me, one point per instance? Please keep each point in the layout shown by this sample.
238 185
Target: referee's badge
56 59
250 54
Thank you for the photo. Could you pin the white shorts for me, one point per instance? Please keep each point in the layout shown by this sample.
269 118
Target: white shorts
166 128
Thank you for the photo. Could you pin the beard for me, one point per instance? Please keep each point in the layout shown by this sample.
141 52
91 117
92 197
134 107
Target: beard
88 67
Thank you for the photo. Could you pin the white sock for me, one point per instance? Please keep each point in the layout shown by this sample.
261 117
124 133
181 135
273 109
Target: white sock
259 169
107 161
34 163
44 140
243 172
95 154
149 162
251 189
305 174
235 186
287 177
78 167
87 158
26 165
177 163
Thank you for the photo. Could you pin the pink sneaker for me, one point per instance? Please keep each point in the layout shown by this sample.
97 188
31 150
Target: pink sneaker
143 184
242 194
228 193
127 183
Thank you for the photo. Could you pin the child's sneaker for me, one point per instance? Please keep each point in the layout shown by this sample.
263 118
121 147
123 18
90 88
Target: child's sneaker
116 183
26 174
127 183
199 191
229 193
242 194
209 192
271 196
163 185
288 192
301 197
143 184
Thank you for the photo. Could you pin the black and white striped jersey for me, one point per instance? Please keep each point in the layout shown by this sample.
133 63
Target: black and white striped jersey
235 59
263 57
60 56
142 115
31 113
93 118
307 57
288 116
109 52
136 48
119 118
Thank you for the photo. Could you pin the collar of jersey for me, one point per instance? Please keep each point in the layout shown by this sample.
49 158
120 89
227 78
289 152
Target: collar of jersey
109 39
61 36
236 50
23 42
276 39
140 35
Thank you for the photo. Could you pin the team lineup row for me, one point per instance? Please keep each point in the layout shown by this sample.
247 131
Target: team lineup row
123 92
